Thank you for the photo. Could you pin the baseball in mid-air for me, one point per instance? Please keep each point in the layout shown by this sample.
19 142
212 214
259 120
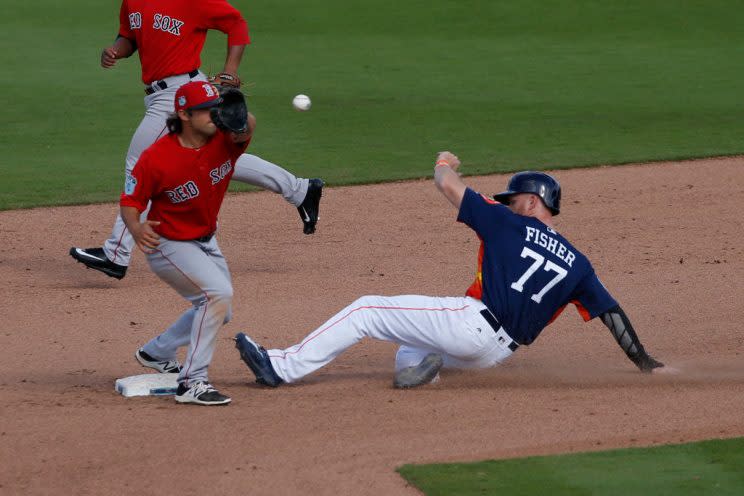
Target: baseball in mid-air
301 103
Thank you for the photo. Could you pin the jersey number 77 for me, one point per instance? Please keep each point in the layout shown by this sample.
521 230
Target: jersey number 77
539 260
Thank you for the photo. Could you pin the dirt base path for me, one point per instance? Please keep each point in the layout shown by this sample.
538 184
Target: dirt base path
666 239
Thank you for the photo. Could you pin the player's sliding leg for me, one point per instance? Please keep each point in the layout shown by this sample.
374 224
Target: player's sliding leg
450 326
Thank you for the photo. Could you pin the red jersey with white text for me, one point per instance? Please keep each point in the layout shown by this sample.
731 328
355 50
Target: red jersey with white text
170 34
186 185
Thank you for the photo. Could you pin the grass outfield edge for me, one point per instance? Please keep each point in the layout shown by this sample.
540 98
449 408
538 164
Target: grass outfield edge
253 189
709 466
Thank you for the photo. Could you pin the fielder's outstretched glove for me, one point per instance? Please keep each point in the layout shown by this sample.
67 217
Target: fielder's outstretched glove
232 113
225 79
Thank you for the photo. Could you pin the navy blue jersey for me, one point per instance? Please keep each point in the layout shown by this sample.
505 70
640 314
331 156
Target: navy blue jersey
527 272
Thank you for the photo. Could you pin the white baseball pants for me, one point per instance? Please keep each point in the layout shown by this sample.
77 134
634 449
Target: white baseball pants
249 169
451 326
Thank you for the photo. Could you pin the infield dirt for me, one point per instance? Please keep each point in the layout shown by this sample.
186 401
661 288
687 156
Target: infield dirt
666 239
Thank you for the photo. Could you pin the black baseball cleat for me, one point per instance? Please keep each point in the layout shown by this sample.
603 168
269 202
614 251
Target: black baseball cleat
95 258
200 393
310 206
162 366
258 361
420 374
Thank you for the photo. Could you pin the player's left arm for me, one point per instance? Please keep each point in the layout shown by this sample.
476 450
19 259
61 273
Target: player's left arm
233 58
447 179
220 15
622 330
242 139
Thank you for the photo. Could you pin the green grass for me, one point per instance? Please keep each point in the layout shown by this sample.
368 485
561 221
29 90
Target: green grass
506 85
706 468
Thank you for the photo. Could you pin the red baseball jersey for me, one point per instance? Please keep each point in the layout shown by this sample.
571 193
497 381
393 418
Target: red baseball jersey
186 185
170 34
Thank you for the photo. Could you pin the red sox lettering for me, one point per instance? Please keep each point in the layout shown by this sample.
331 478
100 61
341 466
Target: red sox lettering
135 20
218 173
167 24
189 190
183 192
160 21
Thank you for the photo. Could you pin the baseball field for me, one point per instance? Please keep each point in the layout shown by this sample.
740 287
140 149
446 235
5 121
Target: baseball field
570 87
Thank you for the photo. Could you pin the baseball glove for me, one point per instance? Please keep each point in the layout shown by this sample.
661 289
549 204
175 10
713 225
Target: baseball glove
232 112
225 79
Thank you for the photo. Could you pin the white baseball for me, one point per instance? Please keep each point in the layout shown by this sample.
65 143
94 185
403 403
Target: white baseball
301 103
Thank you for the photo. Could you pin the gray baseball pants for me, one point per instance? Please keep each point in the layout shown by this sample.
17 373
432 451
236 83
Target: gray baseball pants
198 271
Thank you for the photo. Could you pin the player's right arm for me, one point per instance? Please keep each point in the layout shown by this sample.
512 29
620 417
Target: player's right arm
144 236
593 300
121 49
138 191
125 44
447 179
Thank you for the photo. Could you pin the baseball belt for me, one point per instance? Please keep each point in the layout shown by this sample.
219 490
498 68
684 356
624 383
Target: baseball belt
204 239
494 323
162 84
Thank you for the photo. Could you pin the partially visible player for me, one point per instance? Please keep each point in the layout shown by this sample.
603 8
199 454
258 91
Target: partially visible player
169 36
527 273
184 176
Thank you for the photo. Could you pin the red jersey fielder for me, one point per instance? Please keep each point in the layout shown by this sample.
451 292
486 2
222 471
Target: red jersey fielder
169 36
185 176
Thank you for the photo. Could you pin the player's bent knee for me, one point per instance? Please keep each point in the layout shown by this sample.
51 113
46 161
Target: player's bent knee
221 294
221 302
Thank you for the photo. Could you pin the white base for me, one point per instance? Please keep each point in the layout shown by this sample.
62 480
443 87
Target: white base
147 385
